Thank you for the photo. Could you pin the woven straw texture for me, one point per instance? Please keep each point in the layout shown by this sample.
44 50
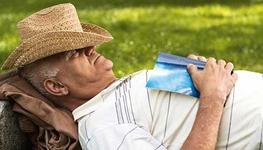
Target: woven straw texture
50 31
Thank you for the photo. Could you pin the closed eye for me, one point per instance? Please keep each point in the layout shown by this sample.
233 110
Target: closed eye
90 50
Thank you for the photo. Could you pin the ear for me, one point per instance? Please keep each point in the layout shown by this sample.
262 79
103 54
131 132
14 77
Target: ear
55 87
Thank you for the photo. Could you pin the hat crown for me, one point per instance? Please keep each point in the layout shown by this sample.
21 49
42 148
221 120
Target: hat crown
62 17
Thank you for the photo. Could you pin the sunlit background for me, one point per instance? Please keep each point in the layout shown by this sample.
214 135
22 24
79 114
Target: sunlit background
227 29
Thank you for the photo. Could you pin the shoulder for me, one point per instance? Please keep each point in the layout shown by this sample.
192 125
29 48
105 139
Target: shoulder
140 76
136 81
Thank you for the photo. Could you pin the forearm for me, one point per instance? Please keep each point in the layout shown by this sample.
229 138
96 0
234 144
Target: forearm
203 135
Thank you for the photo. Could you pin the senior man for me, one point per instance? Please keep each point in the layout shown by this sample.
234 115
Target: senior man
58 57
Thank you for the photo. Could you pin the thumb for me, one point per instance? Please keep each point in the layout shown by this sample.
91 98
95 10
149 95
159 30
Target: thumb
191 68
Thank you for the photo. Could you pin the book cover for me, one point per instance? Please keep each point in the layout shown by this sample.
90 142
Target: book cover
170 74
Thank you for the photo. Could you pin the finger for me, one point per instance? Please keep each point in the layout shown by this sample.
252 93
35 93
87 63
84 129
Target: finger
202 58
221 63
192 56
191 69
229 67
211 61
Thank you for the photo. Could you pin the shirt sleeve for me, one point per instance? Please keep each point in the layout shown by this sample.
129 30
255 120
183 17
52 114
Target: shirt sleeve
121 137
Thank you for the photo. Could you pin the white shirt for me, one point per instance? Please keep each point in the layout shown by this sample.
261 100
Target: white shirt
127 115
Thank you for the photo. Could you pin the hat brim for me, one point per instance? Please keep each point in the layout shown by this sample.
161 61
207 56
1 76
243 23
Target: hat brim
50 43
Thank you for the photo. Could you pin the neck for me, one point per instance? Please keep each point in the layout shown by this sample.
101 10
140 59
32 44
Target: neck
71 103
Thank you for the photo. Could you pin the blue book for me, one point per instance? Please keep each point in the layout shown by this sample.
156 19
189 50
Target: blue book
170 74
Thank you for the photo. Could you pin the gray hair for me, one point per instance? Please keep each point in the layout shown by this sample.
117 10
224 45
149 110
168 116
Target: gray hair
36 73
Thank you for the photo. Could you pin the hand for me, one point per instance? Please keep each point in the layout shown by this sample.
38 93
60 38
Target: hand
197 57
215 80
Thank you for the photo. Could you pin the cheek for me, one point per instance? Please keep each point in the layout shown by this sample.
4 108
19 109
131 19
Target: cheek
79 81
74 77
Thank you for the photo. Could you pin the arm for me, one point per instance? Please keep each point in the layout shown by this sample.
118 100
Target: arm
214 84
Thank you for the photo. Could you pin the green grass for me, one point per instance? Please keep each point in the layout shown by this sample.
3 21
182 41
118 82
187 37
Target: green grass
232 30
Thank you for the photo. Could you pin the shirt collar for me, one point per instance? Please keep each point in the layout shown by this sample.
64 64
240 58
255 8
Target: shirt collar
92 104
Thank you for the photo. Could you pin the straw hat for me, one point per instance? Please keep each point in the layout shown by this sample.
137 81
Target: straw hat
53 30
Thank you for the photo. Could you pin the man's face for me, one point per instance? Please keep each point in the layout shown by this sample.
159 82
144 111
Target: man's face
85 72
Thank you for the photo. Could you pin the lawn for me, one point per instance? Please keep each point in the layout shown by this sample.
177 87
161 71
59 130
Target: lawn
232 30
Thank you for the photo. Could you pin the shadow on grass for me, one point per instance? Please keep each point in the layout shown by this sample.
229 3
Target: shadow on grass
34 5
240 44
